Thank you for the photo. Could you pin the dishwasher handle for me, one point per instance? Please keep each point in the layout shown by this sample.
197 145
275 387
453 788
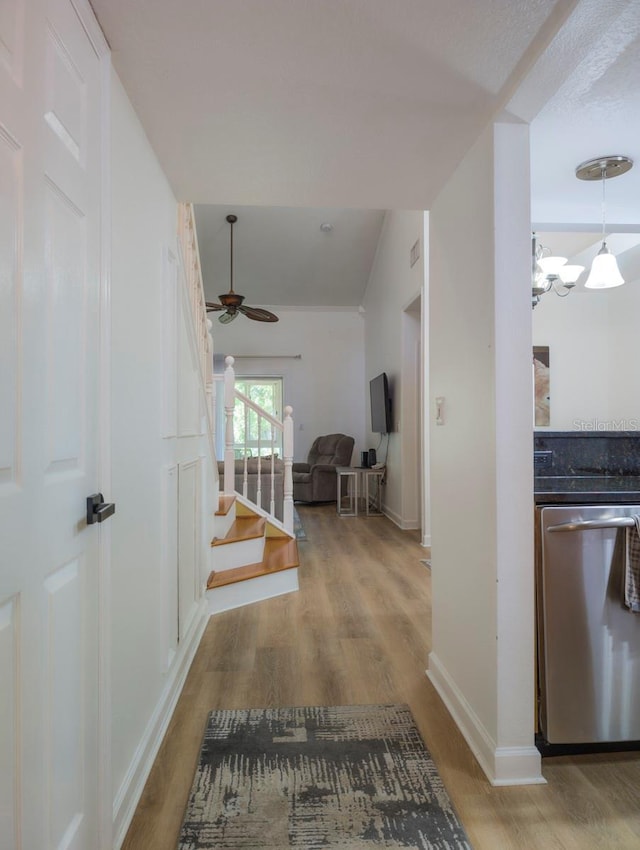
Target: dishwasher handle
588 524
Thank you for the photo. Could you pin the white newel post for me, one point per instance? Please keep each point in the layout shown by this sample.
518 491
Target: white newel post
287 439
245 454
229 404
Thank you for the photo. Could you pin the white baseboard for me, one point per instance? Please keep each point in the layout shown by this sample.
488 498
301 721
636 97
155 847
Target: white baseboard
130 790
410 525
426 541
392 515
396 519
502 765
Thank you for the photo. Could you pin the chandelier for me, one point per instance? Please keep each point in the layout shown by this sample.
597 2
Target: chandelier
550 273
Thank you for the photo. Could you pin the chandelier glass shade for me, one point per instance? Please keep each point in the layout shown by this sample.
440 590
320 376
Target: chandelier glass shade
551 273
604 273
569 274
550 266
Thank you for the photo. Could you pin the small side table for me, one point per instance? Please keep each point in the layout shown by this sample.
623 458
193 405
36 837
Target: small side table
347 496
372 494
359 481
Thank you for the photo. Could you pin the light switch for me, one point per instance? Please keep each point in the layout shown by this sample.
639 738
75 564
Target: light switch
439 410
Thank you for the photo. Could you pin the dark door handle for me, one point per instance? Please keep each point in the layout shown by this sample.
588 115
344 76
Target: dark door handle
98 510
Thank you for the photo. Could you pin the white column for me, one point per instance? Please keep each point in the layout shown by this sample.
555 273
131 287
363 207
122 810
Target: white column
482 532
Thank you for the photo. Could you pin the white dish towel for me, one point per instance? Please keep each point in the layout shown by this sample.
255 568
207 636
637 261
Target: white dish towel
632 568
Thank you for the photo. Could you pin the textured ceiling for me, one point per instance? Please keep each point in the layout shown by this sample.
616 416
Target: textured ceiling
369 104
595 112
354 103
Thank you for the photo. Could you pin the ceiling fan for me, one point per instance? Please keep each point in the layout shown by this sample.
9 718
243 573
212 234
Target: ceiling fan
231 302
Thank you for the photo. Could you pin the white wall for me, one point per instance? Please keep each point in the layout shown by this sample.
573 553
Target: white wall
393 284
623 378
153 471
325 386
481 479
592 339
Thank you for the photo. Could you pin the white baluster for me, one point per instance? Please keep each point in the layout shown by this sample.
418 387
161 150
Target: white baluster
245 453
272 503
287 450
259 481
229 404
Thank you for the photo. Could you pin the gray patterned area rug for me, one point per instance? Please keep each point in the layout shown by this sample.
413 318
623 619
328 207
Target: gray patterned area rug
316 778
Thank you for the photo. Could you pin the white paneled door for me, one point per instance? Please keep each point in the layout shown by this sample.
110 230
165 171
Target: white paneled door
51 220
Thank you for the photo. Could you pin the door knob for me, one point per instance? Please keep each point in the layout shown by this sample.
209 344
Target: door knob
97 509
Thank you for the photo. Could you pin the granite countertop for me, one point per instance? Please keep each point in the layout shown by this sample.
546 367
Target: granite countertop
582 468
587 489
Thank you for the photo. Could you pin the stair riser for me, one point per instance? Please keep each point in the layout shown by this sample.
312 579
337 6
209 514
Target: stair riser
237 554
255 590
224 523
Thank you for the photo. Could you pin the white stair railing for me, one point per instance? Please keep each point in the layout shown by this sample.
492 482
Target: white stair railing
190 256
266 423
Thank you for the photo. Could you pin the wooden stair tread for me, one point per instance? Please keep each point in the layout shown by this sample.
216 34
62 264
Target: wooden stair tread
225 503
243 528
279 554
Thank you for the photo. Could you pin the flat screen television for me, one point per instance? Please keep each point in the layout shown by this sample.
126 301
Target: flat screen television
380 405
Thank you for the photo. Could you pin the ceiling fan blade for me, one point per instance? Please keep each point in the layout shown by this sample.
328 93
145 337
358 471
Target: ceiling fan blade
212 306
258 314
225 318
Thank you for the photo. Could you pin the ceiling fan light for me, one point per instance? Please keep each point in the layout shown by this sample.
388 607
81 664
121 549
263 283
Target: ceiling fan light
551 265
570 274
605 273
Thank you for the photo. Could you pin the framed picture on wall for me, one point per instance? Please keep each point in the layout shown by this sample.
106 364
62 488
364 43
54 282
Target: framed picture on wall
541 385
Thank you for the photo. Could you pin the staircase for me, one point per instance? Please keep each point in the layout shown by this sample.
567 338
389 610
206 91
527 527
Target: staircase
255 557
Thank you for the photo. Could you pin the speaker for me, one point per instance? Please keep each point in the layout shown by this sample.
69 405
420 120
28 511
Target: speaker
364 459
372 458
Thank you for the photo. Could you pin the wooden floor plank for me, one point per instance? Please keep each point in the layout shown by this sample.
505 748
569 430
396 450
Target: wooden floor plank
358 631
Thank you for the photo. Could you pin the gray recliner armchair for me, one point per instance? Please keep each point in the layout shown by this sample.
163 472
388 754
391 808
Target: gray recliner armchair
315 480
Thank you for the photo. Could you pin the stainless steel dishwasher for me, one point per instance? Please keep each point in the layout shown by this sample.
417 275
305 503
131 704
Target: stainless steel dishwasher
588 641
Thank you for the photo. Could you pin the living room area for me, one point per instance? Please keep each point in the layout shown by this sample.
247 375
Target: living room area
353 314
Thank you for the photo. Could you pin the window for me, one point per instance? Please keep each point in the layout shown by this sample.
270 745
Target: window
266 392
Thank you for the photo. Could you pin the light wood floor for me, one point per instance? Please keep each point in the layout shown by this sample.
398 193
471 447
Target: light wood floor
358 631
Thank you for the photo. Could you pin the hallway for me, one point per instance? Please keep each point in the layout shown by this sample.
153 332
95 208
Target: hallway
358 632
